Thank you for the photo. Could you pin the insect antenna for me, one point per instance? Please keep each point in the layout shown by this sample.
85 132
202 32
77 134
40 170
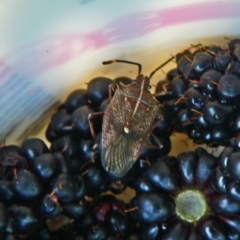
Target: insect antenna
171 59
124 61
159 67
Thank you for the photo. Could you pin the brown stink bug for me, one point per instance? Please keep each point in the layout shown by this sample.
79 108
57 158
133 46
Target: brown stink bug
128 121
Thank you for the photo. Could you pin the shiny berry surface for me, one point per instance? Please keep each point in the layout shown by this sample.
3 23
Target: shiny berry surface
60 190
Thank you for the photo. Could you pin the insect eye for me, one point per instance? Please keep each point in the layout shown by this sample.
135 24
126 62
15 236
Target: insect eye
149 86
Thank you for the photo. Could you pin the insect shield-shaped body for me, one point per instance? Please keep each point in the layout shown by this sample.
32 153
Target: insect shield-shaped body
127 124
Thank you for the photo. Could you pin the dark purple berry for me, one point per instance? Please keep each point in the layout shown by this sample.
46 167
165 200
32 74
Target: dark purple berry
61 122
184 120
45 166
218 203
98 90
210 229
142 185
118 223
27 185
233 190
75 210
199 121
232 221
178 87
50 207
222 60
50 134
33 147
10 161
94 179
178 230
229 88
80 120
63 163
161 176
171 74
174 107
220 135
213 50
202 62
220 180
216 114
233 166
85 150
183 62
152 208
194 99
4 150
233 43
205 165
150 231
6 192
104 105
209 81
223 158
24 219
67 145
3 218
97 232
187 165
68 188
76 99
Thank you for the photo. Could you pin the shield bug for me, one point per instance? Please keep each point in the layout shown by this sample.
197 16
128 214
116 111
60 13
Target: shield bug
128 121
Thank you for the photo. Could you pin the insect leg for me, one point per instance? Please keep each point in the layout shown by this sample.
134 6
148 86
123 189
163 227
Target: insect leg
157 141
159 119
150 144
90 117
163 92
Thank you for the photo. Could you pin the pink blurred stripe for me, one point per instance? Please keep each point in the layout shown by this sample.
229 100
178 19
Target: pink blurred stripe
48 53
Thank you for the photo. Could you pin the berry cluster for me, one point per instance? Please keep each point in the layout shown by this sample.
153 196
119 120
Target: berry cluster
184 197
55 192
63 191
203 93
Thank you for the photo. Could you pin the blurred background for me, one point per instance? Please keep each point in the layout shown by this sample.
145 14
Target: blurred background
47 49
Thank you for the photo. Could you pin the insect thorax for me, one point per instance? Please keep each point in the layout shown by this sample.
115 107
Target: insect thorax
134 92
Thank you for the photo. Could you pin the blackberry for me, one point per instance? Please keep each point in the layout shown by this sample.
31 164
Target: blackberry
98 90
50 207
183 199
211 76
63 191
26 185
74 210
79 120
25 220
68 188
61 122
94 178
33 147
76 99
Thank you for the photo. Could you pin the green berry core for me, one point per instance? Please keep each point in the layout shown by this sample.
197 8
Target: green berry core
191 205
